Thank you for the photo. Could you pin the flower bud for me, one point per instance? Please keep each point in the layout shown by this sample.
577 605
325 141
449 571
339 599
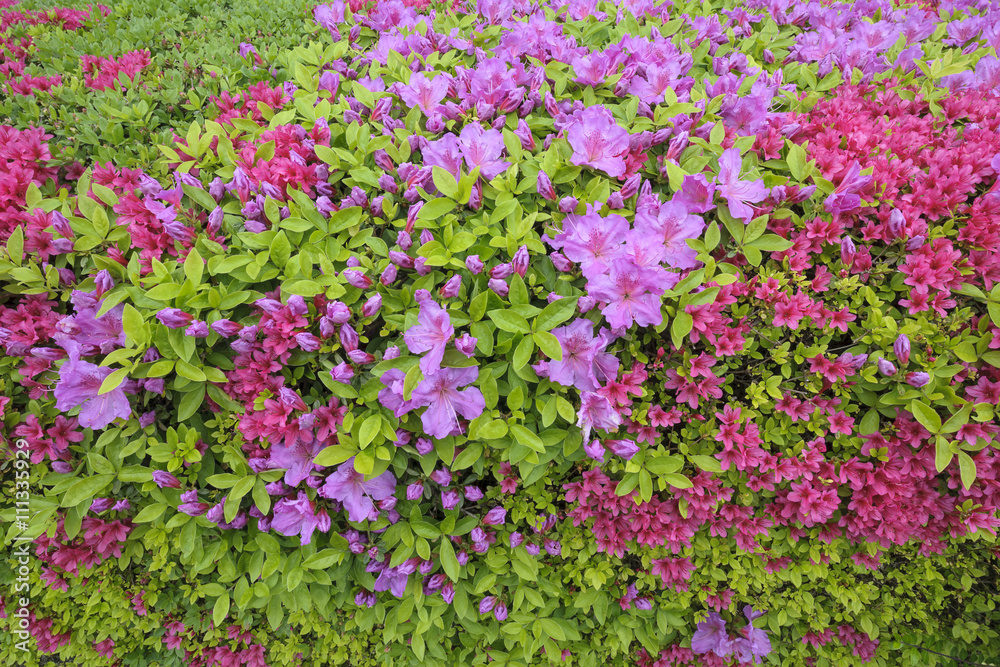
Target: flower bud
631 186
520 262
902 349
165 480
918 380
568 204
500 612
886 367
501 271
174 318
388 275
561 262
466 344
623 448
372 306
361 357
449 499
847 251
414 491
473 493
476 197
545 187
348 338
474 264
897 224
357 279
495 517
452 287
523 133
500 287
104 281
337 312
342 373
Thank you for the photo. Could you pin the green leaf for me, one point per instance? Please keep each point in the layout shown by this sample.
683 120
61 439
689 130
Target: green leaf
150 513
797 161
281 249
771 243
369 429
493 430
334 455
681 326
522 355
994 309
449 562
220 610
164 292
193 373
509 321
525 437
677 481
707 463
84 489
926 415
664 465
445 182
113 381
967 467
133 324
435 208
194 266
548 344
15 245
322 560
942 454
555 314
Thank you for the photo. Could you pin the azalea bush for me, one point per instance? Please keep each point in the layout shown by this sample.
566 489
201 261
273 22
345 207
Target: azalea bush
522 334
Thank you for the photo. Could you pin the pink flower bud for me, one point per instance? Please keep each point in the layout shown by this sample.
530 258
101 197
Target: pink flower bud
561 262
474 264
404 241
500 287
173 318
342 372
495 517
568 204
918 380
307 341
357 279
902 349
476 197
545 187
361 357
520 262
886 367
348 338
847 251
466 345
631 186
426 237
388 275
337 312
414 491
501 271
372 306
897 224
411 215
452 287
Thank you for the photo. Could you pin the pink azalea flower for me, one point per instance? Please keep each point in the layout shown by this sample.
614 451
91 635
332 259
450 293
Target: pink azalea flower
598 141
431 335
735 191
439 392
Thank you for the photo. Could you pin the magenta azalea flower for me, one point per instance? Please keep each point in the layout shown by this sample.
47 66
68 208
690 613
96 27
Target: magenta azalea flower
349 487
736 192
79 382
431 335
299 517
439 391
598 141
482 148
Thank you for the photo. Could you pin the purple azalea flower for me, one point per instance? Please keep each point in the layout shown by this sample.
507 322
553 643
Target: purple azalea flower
431 335
596 411
757 644
105 332
598 141
736 192
711 635
844 198
79 383
425 92
439 391
630 293
297 459
579 348
482 148
392 580
164 479
349 487
592 241
299 517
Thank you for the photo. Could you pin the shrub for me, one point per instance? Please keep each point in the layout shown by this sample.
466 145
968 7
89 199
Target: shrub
576 332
